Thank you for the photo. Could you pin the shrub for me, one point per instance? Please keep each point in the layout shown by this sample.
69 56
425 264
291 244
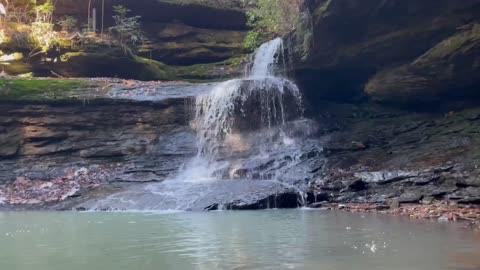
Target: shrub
269 18
127 30
68 23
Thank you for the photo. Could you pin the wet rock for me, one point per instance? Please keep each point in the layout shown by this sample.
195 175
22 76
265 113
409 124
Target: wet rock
348 147
410 197
470 200
322 196
39 175
138 177
440 192
470 192
383 178
359 145
382 207
281 201
315 205
470 181
213 207
394 203
336 186
75 134
9 149
423 179
102 152
358 185
74 193
427 200
314 197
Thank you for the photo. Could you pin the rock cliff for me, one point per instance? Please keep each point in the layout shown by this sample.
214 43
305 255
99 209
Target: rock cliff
390 50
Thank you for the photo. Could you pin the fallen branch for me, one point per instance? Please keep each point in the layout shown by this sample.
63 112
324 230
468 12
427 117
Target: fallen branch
56 74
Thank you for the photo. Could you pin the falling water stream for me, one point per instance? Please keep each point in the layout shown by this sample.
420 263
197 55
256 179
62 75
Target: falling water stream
224 114
242 126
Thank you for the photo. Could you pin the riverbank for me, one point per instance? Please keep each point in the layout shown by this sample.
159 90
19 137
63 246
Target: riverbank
139 133
467 215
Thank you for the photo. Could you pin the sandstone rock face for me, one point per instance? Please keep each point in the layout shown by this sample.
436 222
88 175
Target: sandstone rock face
344 43
45 141
410 156
178 32
181 44
450 69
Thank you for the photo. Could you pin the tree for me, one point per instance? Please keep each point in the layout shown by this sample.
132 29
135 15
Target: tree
89 16
103 15
42 28
127 30
44 12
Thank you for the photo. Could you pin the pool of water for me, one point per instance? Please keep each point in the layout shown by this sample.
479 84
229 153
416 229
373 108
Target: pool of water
273 239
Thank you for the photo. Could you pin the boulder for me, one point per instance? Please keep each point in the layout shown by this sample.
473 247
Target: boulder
383 178
410 197
405 48
448 70
111 64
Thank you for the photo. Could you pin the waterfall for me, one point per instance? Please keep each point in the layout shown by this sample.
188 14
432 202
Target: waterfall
231 108
247 130
266 59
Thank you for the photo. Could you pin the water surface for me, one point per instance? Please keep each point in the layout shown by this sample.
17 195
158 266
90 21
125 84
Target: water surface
273 239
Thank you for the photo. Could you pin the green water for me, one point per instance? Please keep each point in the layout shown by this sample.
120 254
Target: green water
275 239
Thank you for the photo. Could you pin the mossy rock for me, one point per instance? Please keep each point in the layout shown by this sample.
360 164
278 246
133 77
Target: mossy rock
82 64
449 69
42 89
227 69
16 67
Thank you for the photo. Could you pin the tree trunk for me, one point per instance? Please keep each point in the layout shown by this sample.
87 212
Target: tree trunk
103 15
88 20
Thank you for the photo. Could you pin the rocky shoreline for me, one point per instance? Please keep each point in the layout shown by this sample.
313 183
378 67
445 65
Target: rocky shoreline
361 155
467 215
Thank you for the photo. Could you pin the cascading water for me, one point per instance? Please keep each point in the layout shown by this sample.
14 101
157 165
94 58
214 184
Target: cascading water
245 141
258 101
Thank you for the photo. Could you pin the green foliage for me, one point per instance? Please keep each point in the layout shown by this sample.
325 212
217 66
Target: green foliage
127 30
43 12
19 12
238 61
42 28
40 89
68 23
269 18
252 40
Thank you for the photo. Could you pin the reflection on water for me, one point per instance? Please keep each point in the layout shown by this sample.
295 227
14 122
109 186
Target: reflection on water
274 239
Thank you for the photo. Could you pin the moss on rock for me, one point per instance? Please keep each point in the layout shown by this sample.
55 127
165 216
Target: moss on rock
213 71
449 69
42 89
82 64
